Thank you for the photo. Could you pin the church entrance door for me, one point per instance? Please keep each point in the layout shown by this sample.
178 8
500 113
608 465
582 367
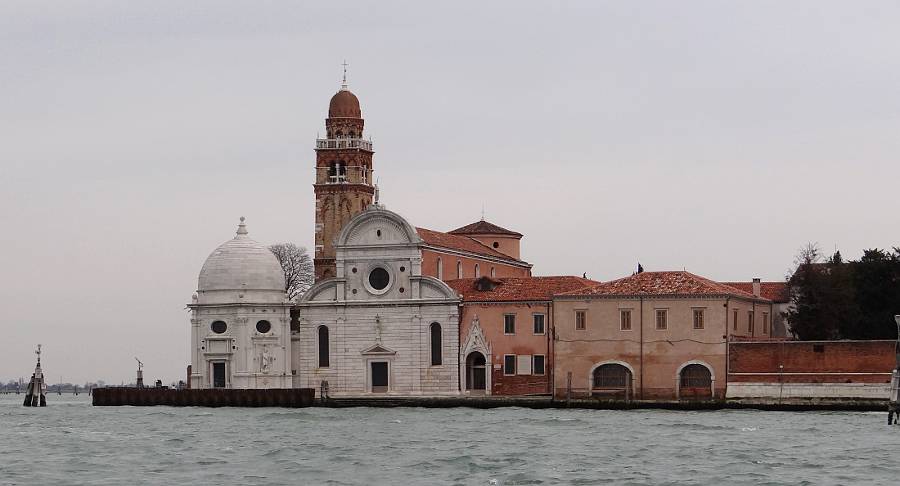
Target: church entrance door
379 377
218 375
475 371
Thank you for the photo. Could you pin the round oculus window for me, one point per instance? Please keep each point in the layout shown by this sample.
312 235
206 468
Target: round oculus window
379 278
218 327
263 327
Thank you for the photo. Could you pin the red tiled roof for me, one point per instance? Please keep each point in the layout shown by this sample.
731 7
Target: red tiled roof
518 289
774 291
484 228
461 243
662 283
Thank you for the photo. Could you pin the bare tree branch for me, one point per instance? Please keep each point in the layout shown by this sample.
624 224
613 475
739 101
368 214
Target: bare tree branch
299 274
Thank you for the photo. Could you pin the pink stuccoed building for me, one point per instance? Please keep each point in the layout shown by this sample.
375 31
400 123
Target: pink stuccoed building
653 335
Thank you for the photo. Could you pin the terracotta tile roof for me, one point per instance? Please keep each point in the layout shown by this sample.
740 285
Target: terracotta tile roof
484 228
461 243
517 289
774 291
662 283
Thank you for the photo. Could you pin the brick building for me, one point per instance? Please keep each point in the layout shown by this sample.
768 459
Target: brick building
506 332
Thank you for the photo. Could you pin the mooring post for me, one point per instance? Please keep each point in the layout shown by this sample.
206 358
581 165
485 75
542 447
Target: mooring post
568 387
894 403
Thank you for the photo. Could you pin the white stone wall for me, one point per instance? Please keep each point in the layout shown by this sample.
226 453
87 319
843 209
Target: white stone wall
809 390
402 330
241 347
367 324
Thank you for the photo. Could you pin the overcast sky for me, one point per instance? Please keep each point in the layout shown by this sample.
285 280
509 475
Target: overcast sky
716 137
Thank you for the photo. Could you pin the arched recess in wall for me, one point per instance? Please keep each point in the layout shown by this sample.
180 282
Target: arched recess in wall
440 269
323 358
436 344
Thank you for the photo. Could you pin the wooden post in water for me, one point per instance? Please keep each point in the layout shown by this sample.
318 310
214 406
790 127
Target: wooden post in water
568 387
34 394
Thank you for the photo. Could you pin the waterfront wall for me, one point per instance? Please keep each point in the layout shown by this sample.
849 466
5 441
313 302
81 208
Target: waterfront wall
810 369
142 397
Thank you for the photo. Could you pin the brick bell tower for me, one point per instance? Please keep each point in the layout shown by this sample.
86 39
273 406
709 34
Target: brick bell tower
344 186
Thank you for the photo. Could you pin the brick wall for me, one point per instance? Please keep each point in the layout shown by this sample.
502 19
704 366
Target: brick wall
811 362
519 384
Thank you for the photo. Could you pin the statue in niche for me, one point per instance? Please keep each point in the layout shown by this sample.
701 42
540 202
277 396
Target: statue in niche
265 360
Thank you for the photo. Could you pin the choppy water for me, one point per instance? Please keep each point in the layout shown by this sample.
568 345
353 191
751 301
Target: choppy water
70 442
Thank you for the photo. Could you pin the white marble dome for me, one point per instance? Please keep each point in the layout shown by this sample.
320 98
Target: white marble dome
241 265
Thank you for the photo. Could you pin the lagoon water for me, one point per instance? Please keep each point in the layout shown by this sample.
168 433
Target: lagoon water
71 442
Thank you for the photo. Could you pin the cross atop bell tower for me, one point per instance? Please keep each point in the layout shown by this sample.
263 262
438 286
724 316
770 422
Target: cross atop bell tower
344 169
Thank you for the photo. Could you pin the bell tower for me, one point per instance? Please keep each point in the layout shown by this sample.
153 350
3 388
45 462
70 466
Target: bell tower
344 186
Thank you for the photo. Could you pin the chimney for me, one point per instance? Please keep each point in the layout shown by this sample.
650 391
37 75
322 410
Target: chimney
756 287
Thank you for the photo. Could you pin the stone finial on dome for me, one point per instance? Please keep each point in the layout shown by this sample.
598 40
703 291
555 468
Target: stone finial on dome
242 228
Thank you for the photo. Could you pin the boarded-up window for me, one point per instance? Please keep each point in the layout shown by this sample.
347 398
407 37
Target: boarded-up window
523 364
436 357
509 364
323 347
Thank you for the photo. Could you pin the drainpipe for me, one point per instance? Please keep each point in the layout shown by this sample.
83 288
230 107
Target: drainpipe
550 360
641 354
727 345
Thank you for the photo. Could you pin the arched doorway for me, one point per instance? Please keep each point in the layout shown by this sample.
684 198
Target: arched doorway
476 371
694 382
612 380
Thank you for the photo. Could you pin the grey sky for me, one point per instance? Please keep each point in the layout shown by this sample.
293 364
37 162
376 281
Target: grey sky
713 136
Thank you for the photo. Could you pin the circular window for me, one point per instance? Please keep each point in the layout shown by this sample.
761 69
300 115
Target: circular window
263 327
218 327
379 278
353 270
496 245
402 269
401 290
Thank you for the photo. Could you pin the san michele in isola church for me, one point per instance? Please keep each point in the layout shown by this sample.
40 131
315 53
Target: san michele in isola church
401 310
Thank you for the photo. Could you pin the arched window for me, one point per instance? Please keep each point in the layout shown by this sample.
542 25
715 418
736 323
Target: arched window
493 272
323 347
695 376
337 172
435 344
459 273
611 375
477 271
440 269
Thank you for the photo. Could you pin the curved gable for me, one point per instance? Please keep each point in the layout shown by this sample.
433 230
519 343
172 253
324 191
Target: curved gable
326 290
377 226
432 288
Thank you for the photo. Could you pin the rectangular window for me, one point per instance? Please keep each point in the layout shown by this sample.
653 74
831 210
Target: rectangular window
735 319
523 364
698 318
539 364
538 323
580 318
625 319
509 364
509 324
750 322
765 323
662 319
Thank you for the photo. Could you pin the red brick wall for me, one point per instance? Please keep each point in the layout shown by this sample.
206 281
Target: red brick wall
811 361
519 384
429 266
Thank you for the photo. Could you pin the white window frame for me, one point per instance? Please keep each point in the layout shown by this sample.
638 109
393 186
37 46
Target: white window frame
543 357
504 364
543 323
513 325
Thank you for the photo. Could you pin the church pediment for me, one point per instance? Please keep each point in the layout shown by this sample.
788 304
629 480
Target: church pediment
378 350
